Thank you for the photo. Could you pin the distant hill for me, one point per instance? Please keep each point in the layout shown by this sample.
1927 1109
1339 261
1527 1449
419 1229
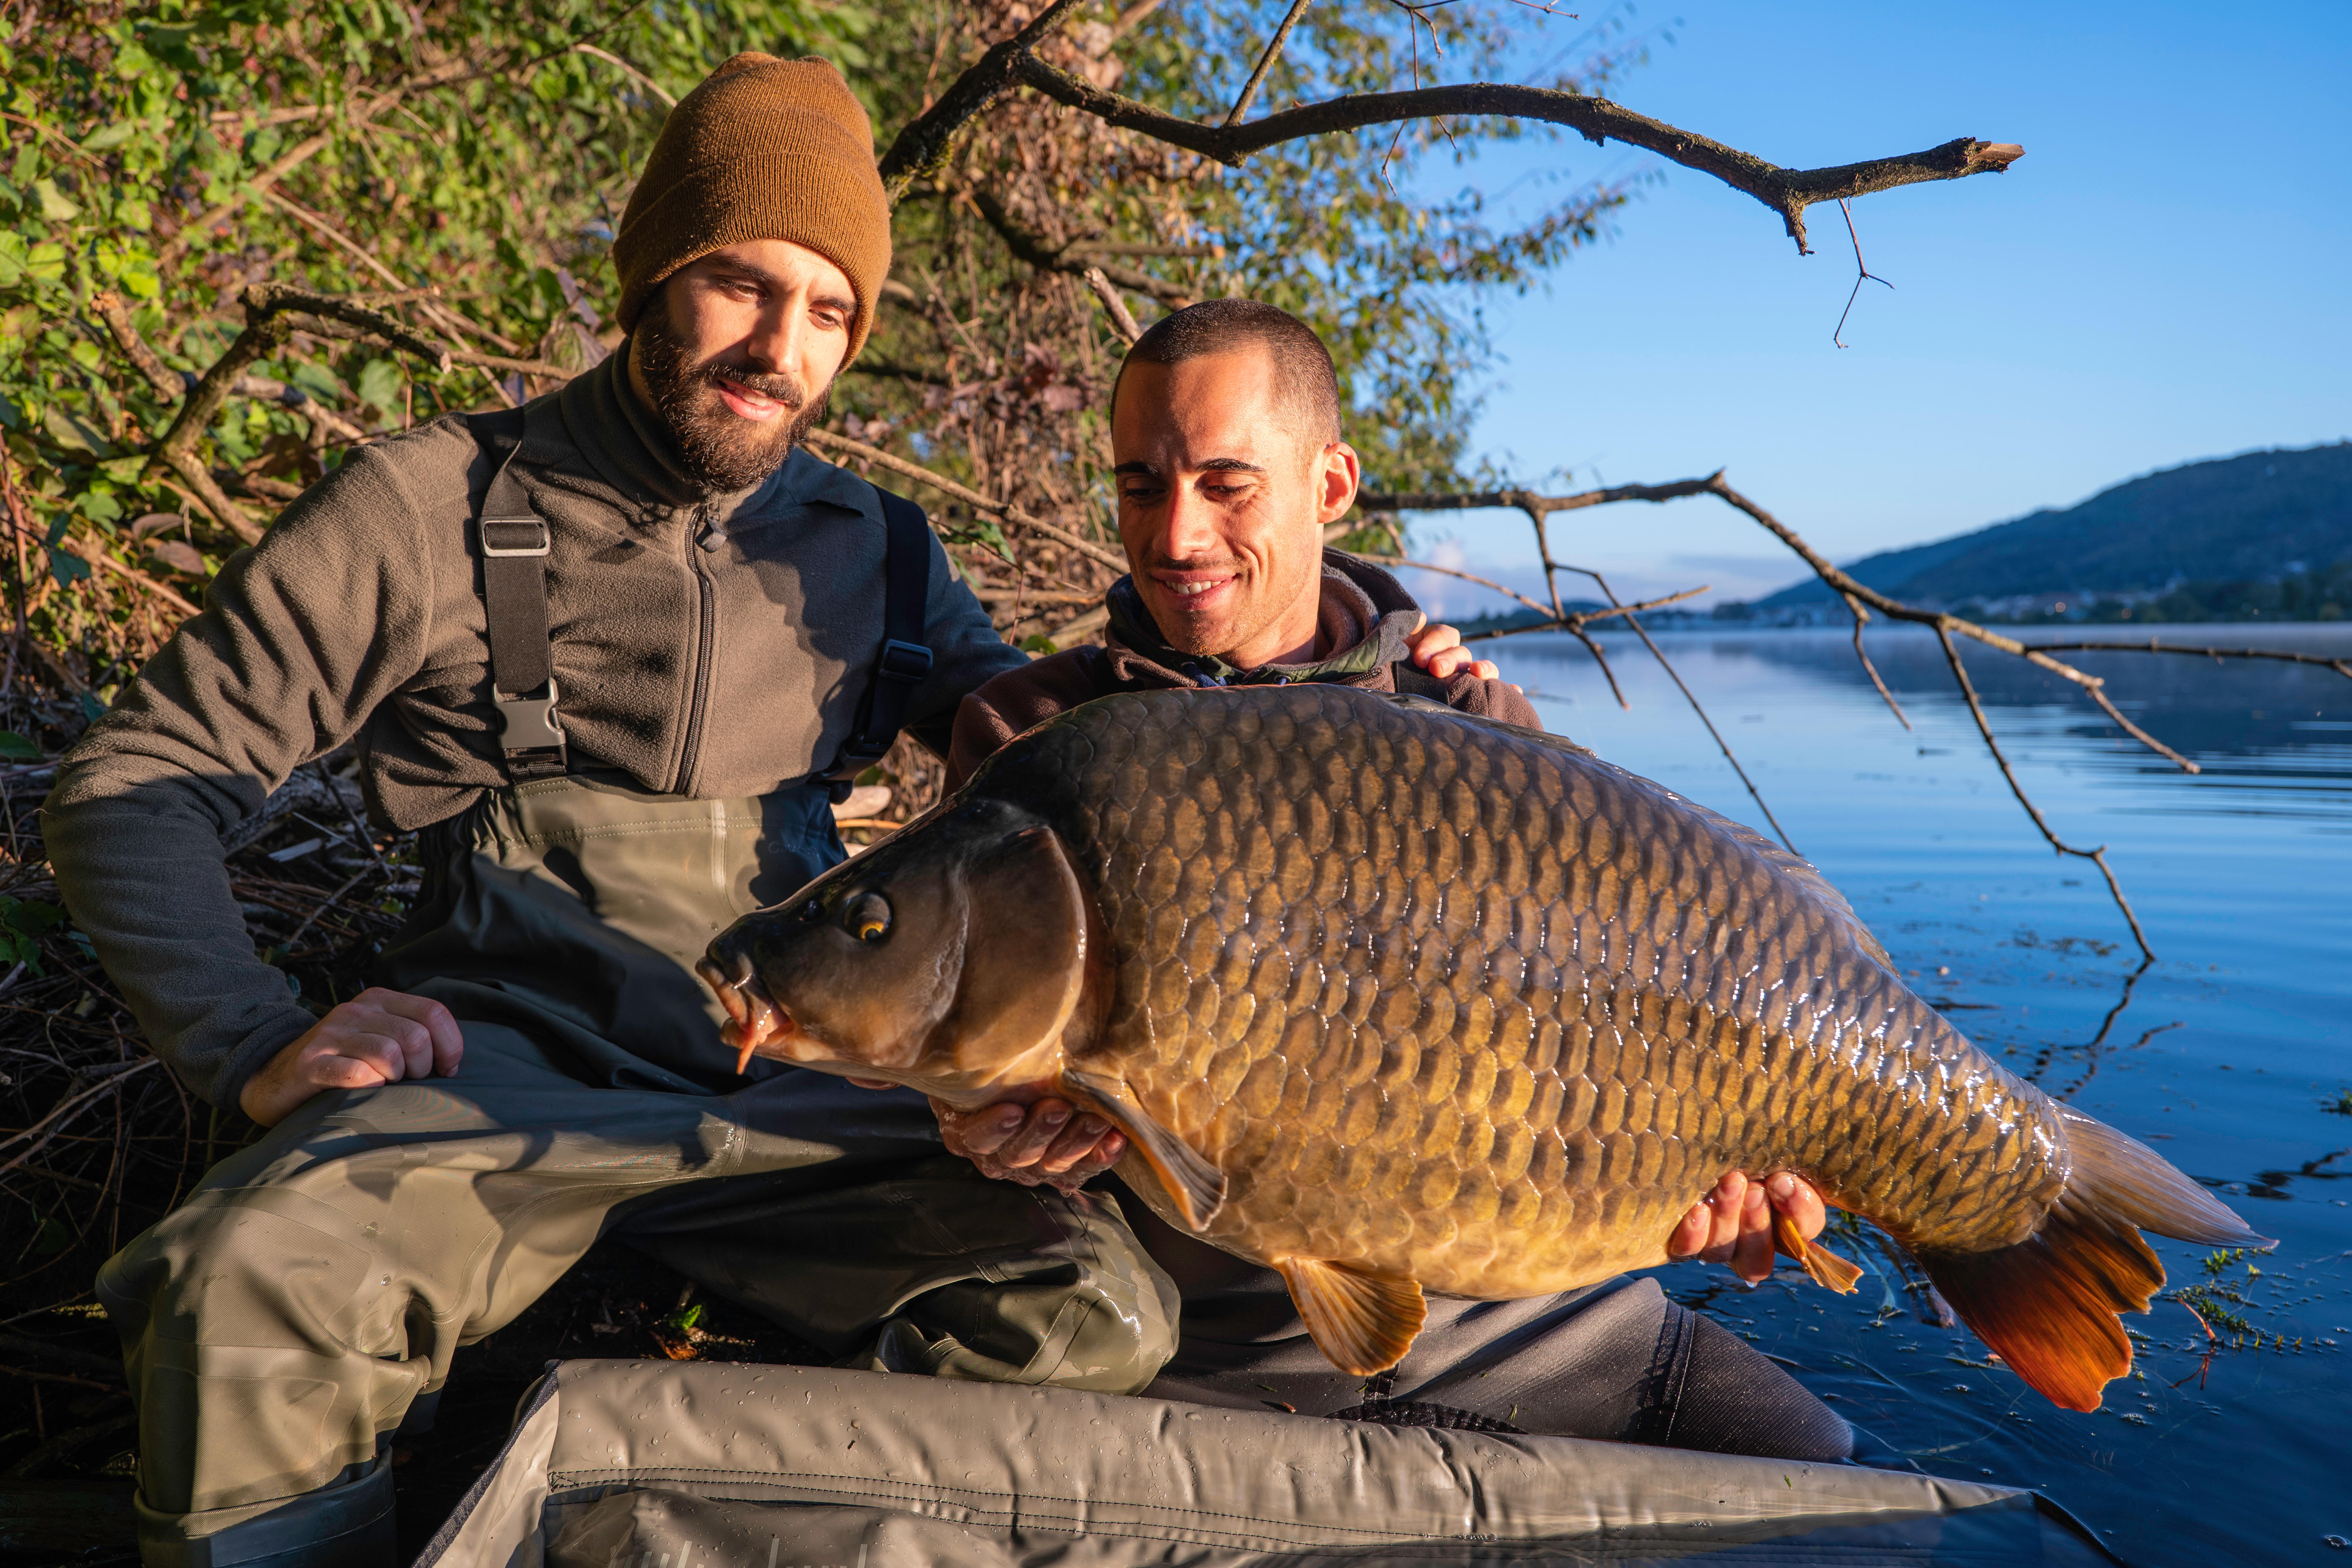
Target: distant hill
2255 518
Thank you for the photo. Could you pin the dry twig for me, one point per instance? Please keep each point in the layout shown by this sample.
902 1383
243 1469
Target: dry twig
922 145
970 497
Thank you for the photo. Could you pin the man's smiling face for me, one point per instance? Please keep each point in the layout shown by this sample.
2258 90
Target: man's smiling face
738 350
1221 500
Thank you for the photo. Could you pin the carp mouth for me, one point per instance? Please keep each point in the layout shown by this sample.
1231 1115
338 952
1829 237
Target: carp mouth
754 1018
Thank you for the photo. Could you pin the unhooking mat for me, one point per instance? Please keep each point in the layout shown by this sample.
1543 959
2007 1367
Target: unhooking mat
661 1465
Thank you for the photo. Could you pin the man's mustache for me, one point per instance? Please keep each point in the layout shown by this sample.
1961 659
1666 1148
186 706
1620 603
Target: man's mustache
785 389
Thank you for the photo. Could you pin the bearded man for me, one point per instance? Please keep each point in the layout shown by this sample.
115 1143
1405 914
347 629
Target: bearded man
609 654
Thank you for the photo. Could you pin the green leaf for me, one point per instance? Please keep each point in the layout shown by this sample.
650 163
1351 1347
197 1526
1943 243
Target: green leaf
379 383
74 435
56 205
317 379
68 569
19 748
107 137
31 917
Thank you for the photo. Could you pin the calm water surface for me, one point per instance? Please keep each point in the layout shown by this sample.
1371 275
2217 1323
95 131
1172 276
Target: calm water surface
2229 1055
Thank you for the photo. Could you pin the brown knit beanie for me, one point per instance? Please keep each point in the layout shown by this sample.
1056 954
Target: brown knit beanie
764 149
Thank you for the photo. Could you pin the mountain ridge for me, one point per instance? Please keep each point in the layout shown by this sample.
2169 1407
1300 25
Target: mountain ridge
2255 516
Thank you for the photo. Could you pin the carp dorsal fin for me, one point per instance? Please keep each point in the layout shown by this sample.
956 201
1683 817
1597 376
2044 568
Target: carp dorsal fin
1197 1186
1363 1323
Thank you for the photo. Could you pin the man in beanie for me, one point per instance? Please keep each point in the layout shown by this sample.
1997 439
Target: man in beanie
609 653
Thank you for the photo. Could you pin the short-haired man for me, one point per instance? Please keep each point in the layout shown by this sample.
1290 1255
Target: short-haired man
606 654
1227 451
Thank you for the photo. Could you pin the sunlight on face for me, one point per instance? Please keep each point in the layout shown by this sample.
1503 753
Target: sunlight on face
1221 504
737 351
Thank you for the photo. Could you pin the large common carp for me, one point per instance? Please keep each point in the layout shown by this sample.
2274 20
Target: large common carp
1392 999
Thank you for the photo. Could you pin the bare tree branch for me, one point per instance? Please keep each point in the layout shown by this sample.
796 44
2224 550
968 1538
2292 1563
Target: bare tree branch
1122 320
970 497
270 318
2097 857
1862 619
923 143
1265 61
195 228
1787 192
2341 667
174 386
1691 698
1046 257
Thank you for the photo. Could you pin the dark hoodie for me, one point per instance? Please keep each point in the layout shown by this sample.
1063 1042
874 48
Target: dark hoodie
1366 616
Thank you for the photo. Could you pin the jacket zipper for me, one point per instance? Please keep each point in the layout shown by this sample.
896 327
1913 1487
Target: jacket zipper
690 747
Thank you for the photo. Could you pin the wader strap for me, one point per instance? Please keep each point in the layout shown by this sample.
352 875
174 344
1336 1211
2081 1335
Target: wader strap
1412 680
905 660
512 541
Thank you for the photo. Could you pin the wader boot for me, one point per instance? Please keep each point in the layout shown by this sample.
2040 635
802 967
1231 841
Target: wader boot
306 1299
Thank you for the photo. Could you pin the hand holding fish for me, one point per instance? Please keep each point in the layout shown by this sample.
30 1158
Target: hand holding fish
1734 1223
1047 1144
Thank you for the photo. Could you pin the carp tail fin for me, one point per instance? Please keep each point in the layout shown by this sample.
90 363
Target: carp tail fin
2051 1304
1363 1323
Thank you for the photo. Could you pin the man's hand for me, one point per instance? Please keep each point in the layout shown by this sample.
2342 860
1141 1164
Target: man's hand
1438 649
1733 1223
1049 1143
377 1036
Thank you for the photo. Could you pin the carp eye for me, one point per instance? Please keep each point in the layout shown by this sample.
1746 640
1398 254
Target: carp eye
867 918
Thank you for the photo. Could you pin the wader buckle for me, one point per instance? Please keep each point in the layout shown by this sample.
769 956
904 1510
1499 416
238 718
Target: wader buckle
523 535
528 723
909 662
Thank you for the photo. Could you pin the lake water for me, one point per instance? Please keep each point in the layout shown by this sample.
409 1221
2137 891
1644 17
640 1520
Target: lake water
2226 1054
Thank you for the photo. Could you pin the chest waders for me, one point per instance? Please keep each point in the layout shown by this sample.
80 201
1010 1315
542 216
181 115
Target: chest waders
304 1303
578 899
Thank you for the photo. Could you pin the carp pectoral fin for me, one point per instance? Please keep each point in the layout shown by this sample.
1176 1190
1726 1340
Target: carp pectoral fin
1363 1323
1197 1186
1826 1266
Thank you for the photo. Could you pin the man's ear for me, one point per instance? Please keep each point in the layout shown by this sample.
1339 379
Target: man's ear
1339 474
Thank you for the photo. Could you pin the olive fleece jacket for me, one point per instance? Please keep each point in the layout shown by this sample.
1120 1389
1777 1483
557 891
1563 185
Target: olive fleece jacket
706 647
1364 619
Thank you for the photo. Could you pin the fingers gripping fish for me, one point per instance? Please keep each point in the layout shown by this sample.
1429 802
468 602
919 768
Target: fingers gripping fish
1396 999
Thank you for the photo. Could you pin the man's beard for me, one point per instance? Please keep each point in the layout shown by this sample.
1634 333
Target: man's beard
723 452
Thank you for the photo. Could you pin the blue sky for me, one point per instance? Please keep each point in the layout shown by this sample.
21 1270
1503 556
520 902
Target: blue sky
2167 275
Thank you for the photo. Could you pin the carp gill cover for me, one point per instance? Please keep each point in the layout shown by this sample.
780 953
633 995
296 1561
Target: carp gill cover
1395 1000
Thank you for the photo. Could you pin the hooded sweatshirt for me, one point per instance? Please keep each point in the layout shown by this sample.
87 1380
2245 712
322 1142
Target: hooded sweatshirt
1363 620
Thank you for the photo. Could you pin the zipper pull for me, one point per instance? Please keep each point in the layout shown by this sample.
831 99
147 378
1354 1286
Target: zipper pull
712 534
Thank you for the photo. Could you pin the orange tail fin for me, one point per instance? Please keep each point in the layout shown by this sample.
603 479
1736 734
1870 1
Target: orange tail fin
2049 1304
